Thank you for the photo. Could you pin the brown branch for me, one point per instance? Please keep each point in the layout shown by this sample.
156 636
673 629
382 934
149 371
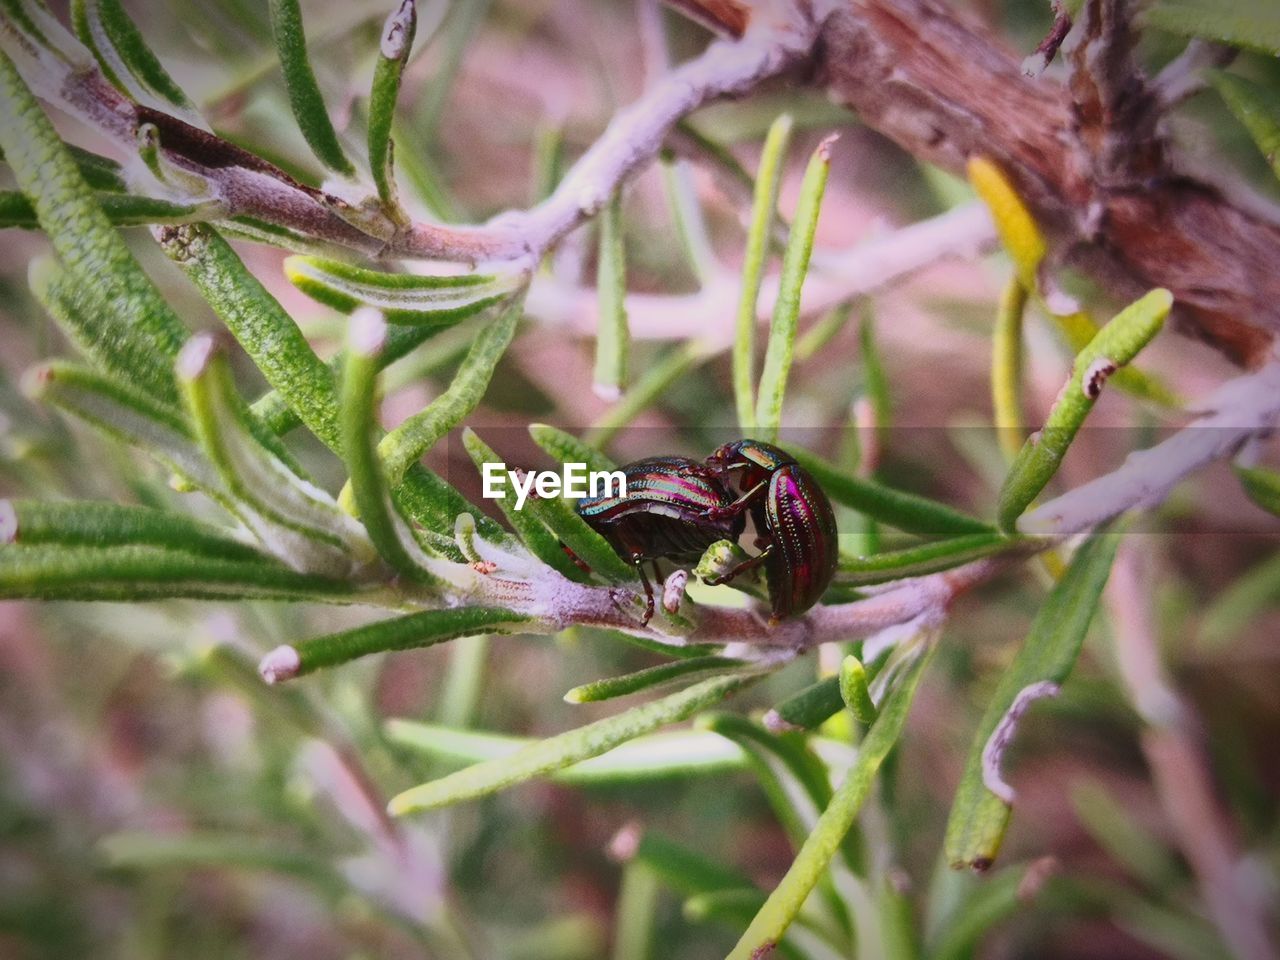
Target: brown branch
945 89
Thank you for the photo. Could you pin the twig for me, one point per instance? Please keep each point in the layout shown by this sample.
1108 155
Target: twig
249 186
1241 409
1179 767
835 278
1043 54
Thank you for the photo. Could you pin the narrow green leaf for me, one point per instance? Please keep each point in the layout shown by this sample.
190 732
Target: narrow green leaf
388 530
567 448
1079 328
405 444
808 709
763 211
1125 836
1006 368
141 573
393 54
824 331
304 92
648 390
1261 486
613 338
636 913
433 504
676 753
403 298
122 53
272 409
1019 233
650 677
399 633
591 548
985 906
900 510
126 415
296 521
465 681
103 524
256 319
123 210
1115 345
1252 594
1255 108
980 812
528 526
875 382
854 690
682 869
1254 24
926 558
139 335
688 219
558 752
150 851
787 899
786 310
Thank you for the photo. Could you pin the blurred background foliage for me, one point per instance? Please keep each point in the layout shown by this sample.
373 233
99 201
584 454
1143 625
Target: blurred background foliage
157 801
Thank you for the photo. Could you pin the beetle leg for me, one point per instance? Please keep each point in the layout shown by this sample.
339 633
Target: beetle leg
749 564
739 505
648 591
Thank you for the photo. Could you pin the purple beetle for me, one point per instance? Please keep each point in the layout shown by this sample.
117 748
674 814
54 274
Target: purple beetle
794 523
672 511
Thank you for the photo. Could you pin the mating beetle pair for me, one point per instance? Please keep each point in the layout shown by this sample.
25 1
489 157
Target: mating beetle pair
675 508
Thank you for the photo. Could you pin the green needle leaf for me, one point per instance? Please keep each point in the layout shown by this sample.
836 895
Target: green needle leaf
127 415
126 60
123 210
558 752
296 521
138 334
404 445
613 338
1254 24
1255 108
567 448
903 511
763 212
304 92
854 691
676 753
650 388
1006 368
1115 345
403 298
528 524
786 311
810 708
980 813
400 633
1261 486
811 863
393 54
102 524
650 677
927 558
142 573
256 319
388 530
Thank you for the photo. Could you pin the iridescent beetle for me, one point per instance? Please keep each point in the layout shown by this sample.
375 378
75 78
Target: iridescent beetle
671 511
793 518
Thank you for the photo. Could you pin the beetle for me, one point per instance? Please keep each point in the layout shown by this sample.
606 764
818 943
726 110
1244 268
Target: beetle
670 512
794 523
